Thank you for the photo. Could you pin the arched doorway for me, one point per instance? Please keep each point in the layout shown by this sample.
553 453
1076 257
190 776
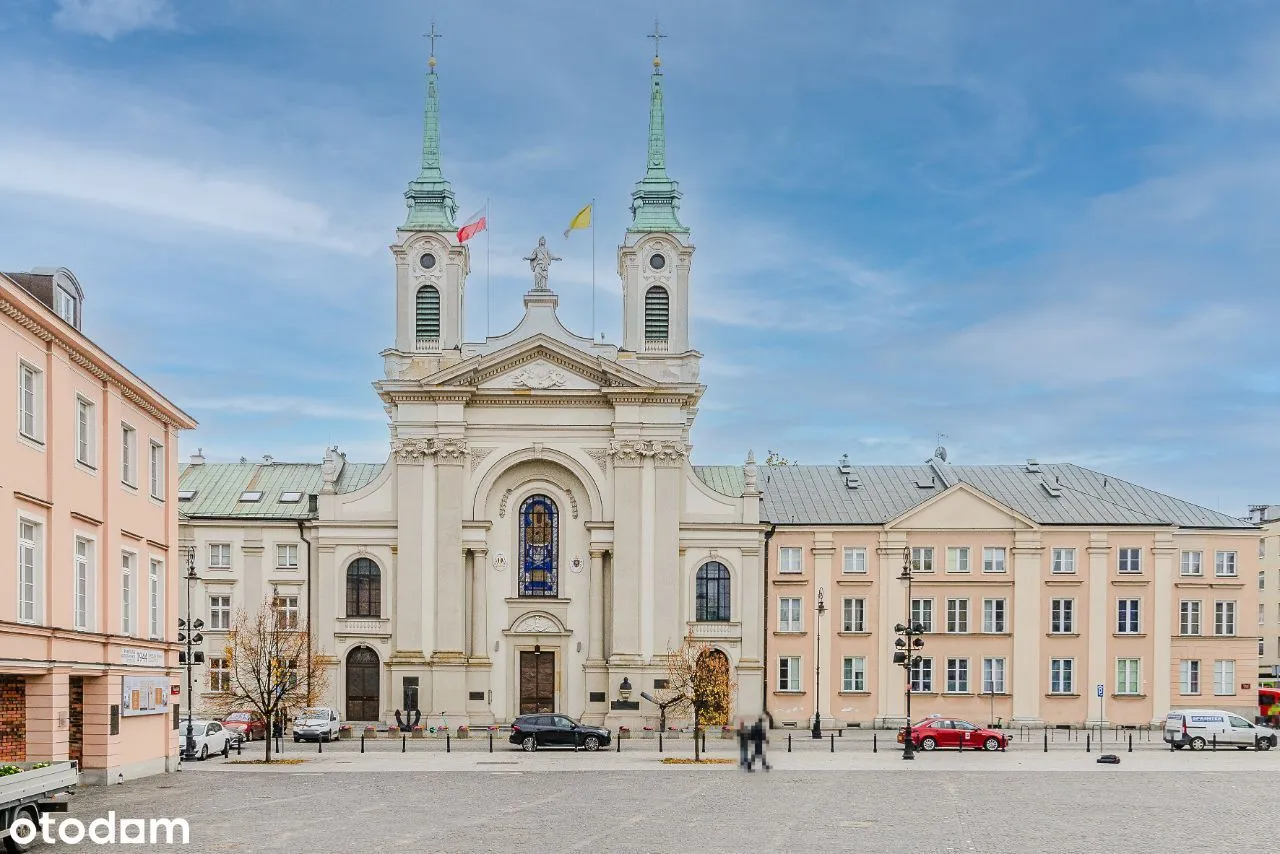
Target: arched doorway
363 679
713 689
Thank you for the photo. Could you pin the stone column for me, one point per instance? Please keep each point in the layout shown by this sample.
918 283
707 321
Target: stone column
1100 622
1160 676
480 604
48 717
626 555
414 536
450 577
595 622
1027 684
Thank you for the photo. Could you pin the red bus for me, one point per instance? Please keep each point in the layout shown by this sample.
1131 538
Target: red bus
1269 706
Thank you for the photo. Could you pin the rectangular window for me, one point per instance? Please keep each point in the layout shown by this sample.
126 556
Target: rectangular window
1062 616
789 673
922 559
1062 676
1127 617
1224 564
65 305
1130 561
219 675
1262 616
30 400
922 675
286 608
126 592
1189 672
128 455
922 613
993 616
790 559
1064 561
1262 581
855 674
30 570
84 432
287 555
993 559
993 675
789 614
220 612
958 559
855 615
157 471
1189 617
957 675
219 555
1262 546
1224 618
855 560
83 563
1127 681
1192 563
155 596
1224 678
958 615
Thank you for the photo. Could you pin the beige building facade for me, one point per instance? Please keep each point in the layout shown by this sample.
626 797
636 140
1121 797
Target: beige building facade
1268 517
87 662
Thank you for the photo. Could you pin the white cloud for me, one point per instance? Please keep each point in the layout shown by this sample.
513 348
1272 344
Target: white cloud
1250 91
109 19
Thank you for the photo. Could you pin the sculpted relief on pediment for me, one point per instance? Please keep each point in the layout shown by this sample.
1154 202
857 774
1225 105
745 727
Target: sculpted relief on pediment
539 375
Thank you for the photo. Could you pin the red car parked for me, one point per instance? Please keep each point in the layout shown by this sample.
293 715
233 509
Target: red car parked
245 726
933 733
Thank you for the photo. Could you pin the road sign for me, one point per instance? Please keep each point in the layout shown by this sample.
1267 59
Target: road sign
1099 690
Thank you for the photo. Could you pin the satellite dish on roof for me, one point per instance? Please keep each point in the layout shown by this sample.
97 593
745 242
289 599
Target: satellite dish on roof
940 453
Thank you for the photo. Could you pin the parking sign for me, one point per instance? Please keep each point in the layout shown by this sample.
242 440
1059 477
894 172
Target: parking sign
1099 690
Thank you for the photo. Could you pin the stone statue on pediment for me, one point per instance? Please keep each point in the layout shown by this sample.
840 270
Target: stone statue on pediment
540 263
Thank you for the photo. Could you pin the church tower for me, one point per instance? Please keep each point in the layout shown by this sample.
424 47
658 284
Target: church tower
431 266
654 257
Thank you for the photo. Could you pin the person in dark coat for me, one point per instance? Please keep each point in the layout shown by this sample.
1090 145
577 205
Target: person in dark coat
758 739
744 742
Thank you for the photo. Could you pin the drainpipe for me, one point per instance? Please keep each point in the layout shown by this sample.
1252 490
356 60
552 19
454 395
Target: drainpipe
310 627
768 535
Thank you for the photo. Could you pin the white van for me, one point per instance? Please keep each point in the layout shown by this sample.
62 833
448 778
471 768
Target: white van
1200 728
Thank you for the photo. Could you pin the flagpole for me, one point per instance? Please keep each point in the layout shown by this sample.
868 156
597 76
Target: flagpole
488 297
593 270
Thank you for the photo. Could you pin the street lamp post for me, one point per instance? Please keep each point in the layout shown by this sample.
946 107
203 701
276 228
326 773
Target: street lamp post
907 650
817 666
189 631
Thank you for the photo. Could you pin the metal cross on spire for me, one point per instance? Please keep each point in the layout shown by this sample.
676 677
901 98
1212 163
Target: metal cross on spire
433 35
656 35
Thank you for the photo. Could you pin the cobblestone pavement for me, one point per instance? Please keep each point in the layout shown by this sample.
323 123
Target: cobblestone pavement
1019 802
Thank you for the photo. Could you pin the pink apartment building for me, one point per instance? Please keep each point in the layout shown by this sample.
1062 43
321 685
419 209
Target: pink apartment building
1035 583
89 530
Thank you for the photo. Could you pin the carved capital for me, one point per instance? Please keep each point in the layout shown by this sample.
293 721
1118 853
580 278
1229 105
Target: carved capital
632 451
669 453
451 449
413 450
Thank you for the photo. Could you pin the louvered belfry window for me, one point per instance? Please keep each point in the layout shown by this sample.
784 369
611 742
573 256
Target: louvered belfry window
428 312
656 313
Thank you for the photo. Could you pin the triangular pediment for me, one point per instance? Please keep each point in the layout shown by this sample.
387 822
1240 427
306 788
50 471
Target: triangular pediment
961 507
540 362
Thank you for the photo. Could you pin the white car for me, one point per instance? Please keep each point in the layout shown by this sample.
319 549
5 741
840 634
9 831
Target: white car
317 724
1199 728
208 736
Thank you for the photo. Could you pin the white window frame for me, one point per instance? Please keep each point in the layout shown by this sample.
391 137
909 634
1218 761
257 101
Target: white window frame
922 675
1128 616
957 615
922 613
1189 677
854 560
790 614
155 598
854 614
219 547
853 672
990 666
1125 564
1225 564
157 470
922 558
789 670
1189 616
1062 676
957 676
128 588
287 613
1066 609
30 412
995 559
1191 563
64 303
1128 677
30 570
995 614
1063 561
86 438
790 560
283 551
128 455
1224 678
220 612
219 675
958 559
1262 579
1224 618
82 576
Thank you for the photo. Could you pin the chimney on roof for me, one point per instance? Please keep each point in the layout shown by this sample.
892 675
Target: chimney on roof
1258 512
197 459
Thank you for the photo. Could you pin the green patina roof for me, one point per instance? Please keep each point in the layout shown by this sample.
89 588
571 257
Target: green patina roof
429 197
656 199
218 487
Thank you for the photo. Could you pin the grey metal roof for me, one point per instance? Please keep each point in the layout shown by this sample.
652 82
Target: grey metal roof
218 487
817 495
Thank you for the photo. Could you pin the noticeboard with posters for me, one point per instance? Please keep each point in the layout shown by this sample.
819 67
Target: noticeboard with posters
144 695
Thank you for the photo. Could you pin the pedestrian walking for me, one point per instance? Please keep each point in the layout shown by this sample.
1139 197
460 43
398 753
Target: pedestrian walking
758 739
744 744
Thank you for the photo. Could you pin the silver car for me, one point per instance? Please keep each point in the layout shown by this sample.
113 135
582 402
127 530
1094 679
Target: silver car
207 737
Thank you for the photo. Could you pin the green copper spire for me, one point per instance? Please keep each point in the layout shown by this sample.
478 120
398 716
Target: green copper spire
429 197
656 199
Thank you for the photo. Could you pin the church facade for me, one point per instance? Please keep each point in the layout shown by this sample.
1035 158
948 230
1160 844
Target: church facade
537 539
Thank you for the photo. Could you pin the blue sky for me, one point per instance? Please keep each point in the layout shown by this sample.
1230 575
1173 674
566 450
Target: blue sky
1043 229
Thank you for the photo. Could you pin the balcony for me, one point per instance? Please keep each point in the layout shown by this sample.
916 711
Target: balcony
655 345
715 631
364 627
427 345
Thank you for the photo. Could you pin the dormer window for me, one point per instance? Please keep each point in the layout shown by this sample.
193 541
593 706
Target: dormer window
251 495
186 494
64 303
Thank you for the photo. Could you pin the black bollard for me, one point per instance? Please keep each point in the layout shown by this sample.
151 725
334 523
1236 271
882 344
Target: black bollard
491 741
619 740
1088 742
362 742
1215 742
448 743
875 748
319 744
833 742
240 747
1131 742
659 741
788 742
404 742
1046 741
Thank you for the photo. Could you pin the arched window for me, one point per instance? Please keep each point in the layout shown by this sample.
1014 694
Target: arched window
428 312
712 604
364 588
539 546
656 312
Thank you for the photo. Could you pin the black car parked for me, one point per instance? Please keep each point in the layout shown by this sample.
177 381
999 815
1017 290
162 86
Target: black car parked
534 731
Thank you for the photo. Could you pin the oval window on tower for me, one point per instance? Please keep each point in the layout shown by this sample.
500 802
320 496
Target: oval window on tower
657 261
427 261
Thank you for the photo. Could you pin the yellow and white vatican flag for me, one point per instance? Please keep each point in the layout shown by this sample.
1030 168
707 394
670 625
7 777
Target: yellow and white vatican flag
582 219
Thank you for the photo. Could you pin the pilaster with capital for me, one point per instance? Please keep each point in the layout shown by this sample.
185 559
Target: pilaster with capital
595 623
479 604
1099 621
1025 685
1164 553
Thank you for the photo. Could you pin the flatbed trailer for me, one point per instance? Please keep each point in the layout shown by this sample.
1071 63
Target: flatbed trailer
32 793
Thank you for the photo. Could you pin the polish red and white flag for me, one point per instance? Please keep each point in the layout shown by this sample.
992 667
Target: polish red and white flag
476 223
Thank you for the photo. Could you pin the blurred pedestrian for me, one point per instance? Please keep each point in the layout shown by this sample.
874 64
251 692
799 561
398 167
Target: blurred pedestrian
744 743
758 739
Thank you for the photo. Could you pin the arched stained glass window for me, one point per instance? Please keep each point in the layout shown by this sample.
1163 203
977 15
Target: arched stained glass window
539 547
712 602
364 588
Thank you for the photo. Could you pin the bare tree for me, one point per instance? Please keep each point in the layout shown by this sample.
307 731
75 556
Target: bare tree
266 651
700 680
